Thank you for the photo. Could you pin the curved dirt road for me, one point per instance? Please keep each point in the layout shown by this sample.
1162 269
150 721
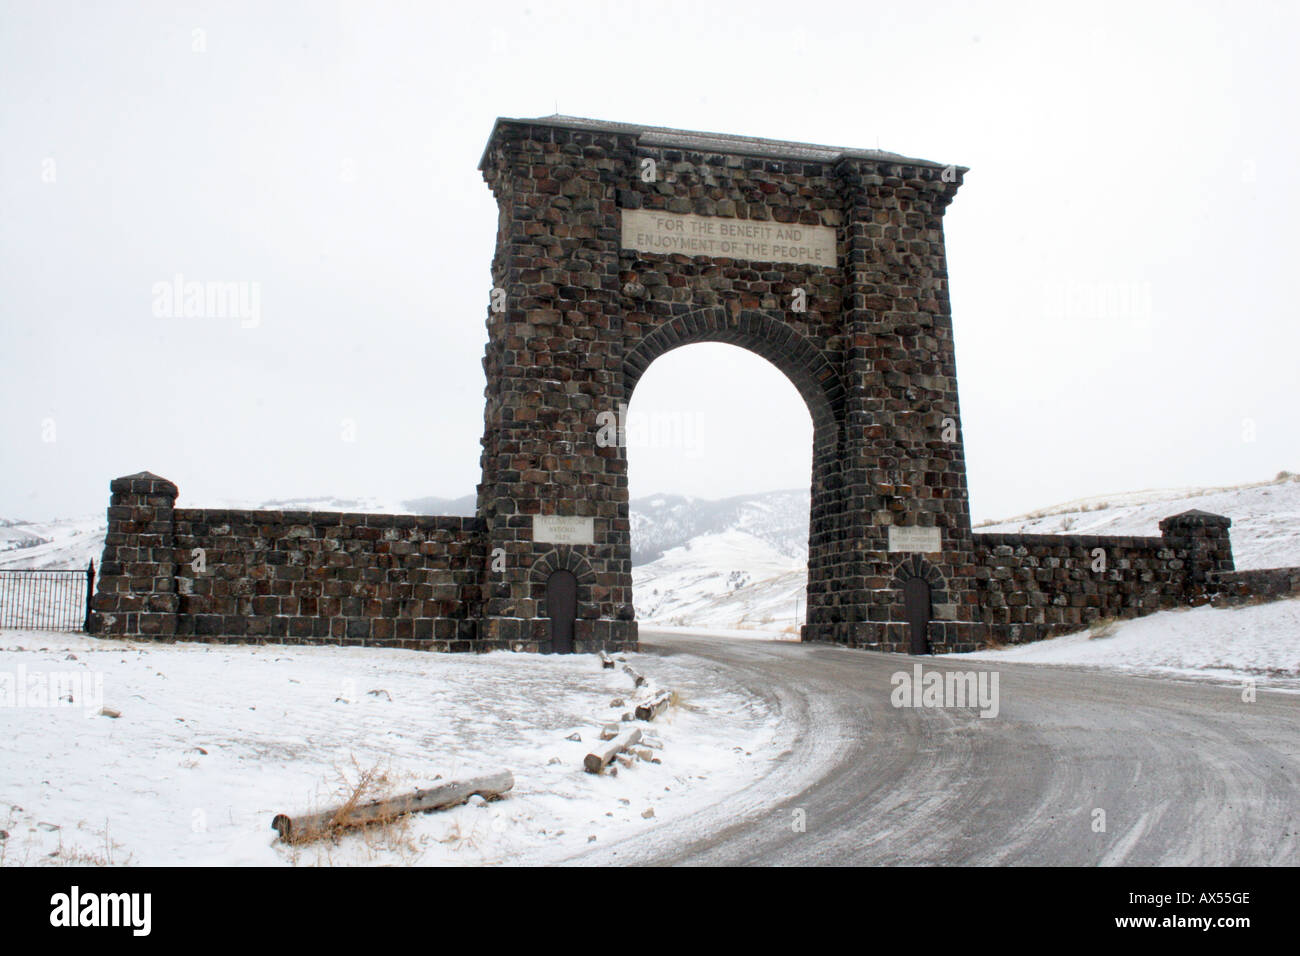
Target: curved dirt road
1185 772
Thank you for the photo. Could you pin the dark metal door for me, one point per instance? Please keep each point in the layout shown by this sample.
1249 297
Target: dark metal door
916 606
562 606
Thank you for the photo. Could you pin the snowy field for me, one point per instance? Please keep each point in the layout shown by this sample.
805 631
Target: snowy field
1261 642
213 741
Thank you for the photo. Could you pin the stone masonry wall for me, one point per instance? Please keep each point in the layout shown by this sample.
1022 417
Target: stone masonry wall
1042 585
1235 588
287 576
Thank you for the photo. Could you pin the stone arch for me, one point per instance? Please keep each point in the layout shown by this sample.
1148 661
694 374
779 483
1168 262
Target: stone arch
915 566
561 559
798 358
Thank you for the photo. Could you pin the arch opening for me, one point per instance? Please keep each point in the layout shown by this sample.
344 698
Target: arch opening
712 467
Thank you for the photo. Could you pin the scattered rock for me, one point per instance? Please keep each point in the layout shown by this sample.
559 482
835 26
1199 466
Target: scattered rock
609 731
618 702
70 657
553 761
110 712
625 760
199 750
574 736
591 839
376 693
648 812
626 717
477 800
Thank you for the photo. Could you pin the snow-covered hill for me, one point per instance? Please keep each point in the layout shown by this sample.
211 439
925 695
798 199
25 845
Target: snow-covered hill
727 580
62 543
776 519
1265 517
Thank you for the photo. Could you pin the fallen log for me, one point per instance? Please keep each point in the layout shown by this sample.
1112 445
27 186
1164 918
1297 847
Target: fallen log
637 679
313 826
606 661
652 708
598 760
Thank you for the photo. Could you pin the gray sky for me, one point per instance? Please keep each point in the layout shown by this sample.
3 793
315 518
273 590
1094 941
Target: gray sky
1121 256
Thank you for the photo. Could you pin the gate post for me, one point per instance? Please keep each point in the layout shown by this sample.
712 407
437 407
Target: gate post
88 625
137 575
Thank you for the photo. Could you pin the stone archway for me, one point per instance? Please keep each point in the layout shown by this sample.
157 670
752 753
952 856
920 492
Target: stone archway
828 263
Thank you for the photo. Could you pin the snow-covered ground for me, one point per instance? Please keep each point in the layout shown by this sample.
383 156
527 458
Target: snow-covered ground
1265 518
213 741
1260 641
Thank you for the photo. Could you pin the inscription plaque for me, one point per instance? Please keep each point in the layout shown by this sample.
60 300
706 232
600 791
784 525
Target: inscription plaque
562 529
914 539
671 232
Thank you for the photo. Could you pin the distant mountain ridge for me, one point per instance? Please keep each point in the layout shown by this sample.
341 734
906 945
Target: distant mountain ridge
663 522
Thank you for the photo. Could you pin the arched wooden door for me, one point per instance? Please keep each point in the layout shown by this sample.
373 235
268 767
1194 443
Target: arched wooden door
916 607
562 607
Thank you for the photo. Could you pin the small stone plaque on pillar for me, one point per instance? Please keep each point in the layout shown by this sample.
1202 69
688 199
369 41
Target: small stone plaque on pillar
924 540
563 529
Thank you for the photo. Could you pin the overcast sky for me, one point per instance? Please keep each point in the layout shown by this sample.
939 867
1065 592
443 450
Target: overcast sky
1122 255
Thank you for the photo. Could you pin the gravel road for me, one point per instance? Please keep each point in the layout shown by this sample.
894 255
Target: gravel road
1185 772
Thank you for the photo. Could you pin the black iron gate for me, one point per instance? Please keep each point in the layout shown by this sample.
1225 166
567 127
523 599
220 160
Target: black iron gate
46 599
